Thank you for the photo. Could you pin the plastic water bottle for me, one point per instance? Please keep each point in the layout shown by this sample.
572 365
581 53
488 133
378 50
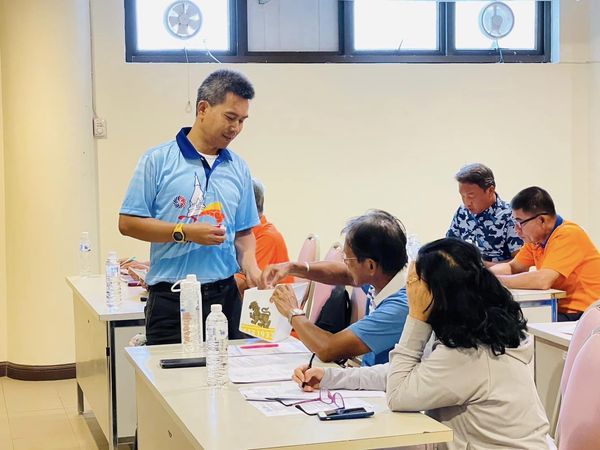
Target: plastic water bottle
216 346
412 246
190 307
85 255
113 280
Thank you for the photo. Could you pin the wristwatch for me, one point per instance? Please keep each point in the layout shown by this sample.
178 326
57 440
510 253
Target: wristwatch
296 312
178 234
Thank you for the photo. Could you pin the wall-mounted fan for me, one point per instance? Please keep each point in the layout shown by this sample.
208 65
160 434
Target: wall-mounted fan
183 19
496 20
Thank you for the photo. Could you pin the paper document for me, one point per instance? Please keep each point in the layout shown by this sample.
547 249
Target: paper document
290 390
569 329
248 369
274 408
259 348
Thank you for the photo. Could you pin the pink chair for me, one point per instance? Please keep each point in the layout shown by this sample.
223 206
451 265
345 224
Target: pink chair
589 321
309 252
323 291
359 304
579 424
310 249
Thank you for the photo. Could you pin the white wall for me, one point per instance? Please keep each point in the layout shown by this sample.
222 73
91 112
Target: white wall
3 310
48 151
330 141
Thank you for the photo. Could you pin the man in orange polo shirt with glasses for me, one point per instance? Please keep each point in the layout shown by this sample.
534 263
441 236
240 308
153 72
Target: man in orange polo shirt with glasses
562 252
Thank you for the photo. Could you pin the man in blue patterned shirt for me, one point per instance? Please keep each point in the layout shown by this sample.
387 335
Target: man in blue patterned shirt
484 219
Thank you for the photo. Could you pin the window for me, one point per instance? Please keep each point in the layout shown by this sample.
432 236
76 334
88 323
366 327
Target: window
333 31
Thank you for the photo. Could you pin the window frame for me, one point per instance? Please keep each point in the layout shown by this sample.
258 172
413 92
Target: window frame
446 52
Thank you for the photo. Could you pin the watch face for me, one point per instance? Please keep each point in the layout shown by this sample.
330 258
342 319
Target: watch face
178 236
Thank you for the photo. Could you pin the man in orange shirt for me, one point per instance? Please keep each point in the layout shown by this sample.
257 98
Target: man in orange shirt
270 245
562 252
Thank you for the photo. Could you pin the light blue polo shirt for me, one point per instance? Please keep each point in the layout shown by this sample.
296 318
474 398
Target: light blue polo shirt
174 183
380 329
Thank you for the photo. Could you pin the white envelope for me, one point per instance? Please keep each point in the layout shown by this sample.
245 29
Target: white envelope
260 318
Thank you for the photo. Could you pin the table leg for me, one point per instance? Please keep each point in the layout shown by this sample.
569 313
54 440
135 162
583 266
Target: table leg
80 406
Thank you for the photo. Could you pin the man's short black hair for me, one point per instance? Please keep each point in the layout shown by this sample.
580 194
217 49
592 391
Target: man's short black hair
216 86
380 236
477 174
534 200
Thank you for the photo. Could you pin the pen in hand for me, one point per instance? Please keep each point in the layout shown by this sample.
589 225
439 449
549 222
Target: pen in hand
304 383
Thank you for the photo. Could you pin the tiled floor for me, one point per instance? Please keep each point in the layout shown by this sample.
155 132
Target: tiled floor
42 415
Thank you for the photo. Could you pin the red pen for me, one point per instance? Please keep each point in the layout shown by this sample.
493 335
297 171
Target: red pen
245 347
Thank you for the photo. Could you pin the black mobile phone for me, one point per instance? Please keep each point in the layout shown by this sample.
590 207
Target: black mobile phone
182 362
345 413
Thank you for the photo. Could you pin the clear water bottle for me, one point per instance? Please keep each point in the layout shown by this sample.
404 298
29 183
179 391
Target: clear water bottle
190 308
85 255
412 246
216 346
113 280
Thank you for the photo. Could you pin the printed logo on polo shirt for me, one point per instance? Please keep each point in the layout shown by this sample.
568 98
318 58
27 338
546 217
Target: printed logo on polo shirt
198 208
179 201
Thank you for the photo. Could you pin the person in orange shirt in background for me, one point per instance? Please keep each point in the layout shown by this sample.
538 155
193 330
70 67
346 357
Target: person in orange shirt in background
270 245
562 252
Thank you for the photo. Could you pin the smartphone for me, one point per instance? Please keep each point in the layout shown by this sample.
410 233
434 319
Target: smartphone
182 362
345 413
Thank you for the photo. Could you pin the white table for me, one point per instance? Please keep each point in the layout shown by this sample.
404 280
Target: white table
176 410
539 305
103 375
551 345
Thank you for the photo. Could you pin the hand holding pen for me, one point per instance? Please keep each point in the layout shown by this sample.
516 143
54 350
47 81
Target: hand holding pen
308 377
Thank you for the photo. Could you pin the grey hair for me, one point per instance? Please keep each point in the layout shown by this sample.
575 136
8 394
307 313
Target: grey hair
259 195
477 174
216 86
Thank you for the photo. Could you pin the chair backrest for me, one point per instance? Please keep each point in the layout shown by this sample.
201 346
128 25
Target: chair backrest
309 251
323 291
359 304
580 409
589 321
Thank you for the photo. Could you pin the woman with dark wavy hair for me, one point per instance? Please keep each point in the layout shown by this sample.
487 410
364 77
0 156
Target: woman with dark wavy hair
476 380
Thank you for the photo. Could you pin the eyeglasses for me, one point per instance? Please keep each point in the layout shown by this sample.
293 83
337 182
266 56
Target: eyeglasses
346 258
325 396
521 223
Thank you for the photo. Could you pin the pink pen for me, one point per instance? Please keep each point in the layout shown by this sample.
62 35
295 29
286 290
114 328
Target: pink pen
245 347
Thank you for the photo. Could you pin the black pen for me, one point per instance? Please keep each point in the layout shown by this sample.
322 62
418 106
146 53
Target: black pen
309 366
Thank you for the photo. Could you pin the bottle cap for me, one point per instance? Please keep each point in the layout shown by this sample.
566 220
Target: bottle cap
112 255
85 235
191 278
215 307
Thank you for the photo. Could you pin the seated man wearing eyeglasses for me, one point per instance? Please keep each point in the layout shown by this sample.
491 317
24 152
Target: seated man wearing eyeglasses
375 258
561 251
484 219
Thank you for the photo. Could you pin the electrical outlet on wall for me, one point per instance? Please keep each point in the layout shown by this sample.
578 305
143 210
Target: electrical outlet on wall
99 127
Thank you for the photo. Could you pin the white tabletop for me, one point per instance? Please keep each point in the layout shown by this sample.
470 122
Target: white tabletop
531 295
92 290
558 332
221 418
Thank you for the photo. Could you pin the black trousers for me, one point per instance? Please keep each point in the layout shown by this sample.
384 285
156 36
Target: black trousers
567 317
163 325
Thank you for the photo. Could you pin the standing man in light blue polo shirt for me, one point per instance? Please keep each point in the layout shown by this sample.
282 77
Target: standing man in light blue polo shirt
375 258
192 199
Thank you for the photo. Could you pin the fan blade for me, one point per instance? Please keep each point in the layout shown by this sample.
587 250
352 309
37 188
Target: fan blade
179 8
194 24
173 20
182 30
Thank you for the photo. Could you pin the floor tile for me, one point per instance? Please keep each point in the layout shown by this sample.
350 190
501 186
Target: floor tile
4 429
22 396
87 432
43 444
49 424
67 392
